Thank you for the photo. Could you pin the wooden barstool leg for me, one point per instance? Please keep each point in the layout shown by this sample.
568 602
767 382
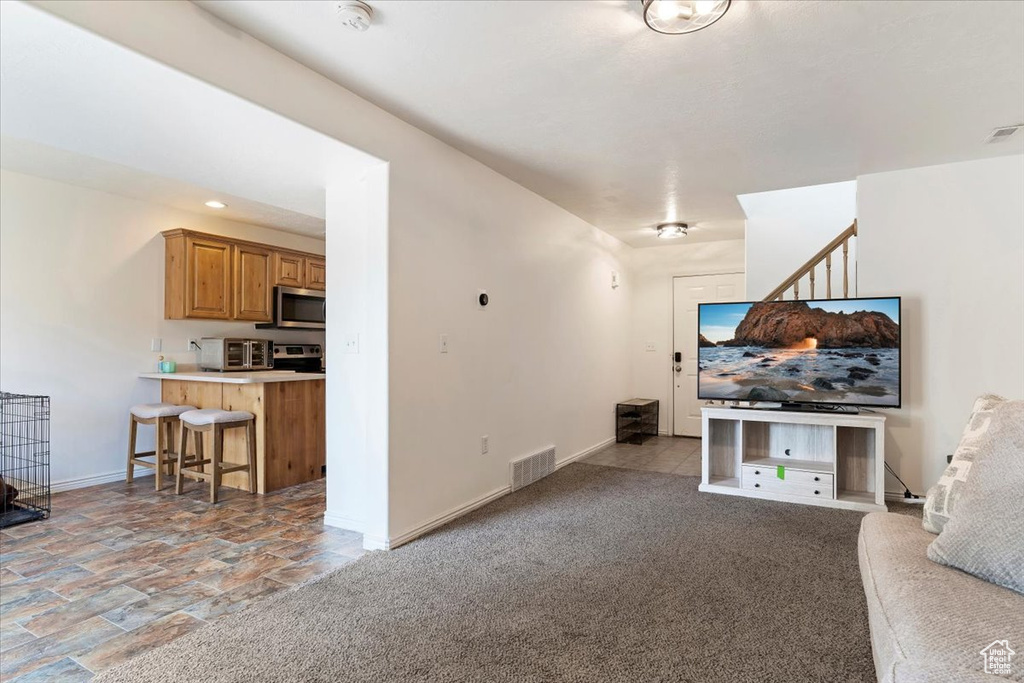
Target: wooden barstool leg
132 427
158 465
170 457
218 446
250 445
181 460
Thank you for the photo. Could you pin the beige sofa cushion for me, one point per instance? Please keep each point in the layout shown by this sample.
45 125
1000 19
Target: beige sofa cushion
985 536
929 622
942 498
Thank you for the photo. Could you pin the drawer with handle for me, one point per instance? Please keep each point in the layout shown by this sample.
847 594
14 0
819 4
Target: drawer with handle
795 482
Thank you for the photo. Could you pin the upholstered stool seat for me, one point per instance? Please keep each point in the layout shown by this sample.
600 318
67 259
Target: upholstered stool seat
164 416
148 411
209 416
198 422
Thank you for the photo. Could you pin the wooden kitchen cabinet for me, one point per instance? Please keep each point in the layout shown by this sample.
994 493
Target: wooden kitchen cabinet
197 278
289 269
220 278
252 289
316 273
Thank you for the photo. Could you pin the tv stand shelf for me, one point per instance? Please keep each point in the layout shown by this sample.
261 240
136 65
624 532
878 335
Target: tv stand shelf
827 459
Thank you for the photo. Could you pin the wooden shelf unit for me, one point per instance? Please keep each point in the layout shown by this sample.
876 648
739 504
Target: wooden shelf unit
827 459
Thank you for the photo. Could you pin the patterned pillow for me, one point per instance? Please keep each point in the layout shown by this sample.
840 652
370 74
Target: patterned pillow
984 537
942 498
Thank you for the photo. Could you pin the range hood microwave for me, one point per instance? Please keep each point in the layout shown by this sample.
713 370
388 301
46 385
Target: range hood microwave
302 309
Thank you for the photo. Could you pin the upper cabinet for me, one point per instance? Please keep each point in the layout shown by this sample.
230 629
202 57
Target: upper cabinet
316 273
219 278
252 284
289 269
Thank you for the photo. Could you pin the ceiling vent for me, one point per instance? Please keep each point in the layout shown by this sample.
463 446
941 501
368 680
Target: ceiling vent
1004 133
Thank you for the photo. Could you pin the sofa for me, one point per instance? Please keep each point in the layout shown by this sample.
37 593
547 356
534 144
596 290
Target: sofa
929 623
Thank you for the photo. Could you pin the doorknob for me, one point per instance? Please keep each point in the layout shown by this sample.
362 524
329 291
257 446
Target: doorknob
679 368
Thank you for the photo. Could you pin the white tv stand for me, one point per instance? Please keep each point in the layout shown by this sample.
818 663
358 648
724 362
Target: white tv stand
828 459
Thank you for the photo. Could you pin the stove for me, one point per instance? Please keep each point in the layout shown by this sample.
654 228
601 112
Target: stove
299 357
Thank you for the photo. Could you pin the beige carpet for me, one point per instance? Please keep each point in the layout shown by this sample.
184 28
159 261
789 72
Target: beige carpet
593 574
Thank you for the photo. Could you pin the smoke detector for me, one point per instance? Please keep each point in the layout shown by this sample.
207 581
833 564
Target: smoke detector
355 15
1004 133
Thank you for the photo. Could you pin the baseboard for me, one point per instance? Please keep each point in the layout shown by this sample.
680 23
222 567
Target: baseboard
341 522
584 453
95 480
466 508
898 498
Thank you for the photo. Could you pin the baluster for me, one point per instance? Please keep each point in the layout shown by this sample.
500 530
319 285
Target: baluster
812 282
796 289
846 269
828 275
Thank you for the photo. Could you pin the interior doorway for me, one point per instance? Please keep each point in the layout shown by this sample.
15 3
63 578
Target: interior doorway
687 292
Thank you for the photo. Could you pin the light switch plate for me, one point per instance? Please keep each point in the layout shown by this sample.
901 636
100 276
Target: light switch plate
443 344
156 344
351 342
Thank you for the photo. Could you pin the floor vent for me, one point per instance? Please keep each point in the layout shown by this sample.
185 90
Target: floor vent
527 470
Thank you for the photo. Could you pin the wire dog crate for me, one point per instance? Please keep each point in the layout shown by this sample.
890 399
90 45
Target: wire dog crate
24 458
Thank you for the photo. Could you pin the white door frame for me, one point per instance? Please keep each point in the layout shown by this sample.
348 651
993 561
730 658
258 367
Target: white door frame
672 329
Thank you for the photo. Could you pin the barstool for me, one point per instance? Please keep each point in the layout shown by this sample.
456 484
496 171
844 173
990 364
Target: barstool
212 420
164 416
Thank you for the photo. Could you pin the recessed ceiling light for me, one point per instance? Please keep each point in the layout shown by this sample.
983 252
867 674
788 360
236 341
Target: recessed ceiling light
214 204
675 17
667 231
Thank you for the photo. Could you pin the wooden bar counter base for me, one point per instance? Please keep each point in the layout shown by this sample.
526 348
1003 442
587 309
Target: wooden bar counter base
291 443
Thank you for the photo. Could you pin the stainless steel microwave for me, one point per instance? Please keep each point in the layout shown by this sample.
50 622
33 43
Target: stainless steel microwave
235 355
295 308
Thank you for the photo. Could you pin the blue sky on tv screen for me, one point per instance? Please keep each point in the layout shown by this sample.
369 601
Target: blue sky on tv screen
718 321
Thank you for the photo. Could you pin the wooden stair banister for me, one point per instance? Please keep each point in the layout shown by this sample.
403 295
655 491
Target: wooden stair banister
825 255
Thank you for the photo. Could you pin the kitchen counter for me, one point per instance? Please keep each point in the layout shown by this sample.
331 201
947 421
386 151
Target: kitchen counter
290 412
255 377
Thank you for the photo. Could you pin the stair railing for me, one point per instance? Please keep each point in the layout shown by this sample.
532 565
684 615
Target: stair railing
825 255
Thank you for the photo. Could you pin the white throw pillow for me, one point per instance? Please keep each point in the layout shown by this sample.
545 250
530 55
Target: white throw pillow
942 498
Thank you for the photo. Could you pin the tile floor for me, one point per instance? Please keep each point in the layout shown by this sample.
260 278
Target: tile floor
668 454
119 569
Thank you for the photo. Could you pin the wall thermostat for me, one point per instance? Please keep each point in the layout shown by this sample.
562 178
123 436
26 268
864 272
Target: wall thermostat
482 298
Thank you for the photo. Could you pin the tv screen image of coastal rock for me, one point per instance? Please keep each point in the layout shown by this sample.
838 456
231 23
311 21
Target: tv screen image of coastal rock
838 351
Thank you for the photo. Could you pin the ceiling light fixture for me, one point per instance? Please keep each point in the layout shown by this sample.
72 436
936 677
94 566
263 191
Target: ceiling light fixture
668 231
675 17
214 204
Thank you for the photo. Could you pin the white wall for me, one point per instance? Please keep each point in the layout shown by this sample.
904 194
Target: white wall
652 271
950 240
544 364
81 296
787 227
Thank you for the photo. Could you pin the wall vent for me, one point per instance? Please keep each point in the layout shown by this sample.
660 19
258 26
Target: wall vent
1004 133
527 470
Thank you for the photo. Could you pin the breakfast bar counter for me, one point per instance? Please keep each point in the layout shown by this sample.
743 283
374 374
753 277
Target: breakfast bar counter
290 420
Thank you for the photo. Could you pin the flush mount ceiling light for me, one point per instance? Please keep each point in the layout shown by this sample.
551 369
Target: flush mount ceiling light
675 17
214 204
667 231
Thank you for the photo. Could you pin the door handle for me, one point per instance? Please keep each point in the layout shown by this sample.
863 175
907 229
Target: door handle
679 368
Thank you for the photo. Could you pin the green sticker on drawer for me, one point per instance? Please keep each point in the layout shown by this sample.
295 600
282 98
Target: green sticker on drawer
780 471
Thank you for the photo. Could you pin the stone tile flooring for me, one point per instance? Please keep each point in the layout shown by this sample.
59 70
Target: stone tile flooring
668 454
119 569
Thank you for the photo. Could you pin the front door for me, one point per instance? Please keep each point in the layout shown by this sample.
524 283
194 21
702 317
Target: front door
687 293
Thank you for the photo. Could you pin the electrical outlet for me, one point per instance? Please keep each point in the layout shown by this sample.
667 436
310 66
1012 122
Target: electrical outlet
192 345
156 344
650 347
485 446
443 344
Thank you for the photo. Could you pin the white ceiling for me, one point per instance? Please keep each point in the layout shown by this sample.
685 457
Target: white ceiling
84 110
32 158
624 127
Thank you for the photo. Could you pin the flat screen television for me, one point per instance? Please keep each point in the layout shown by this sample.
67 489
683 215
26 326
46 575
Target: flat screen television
842 352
